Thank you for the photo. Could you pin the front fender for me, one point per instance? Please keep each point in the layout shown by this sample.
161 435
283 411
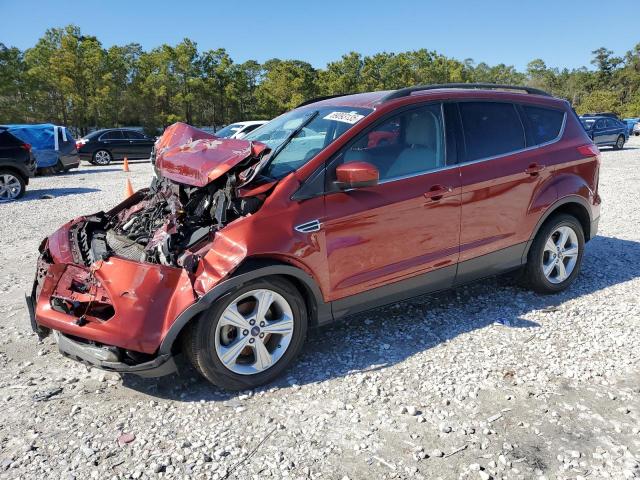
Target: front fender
249 270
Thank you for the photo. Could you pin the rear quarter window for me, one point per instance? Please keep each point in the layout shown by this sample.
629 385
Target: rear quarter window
491 129
8 140
545 123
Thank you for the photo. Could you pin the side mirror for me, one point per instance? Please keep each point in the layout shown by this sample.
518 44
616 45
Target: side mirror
356 174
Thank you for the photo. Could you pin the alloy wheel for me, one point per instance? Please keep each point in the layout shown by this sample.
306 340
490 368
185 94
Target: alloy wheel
620 143
254 332
10 187
560 254
102 157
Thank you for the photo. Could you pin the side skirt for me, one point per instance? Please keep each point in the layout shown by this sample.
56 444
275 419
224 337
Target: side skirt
491 264
468 271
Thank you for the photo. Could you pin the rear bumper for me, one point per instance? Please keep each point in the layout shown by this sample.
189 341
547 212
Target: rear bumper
70 161
86 156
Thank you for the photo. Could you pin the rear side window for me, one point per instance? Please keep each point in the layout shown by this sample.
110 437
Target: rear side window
134 135
8 140
491 129
113 135
545 123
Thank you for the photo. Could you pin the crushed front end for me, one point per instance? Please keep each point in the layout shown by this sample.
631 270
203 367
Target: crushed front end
110 285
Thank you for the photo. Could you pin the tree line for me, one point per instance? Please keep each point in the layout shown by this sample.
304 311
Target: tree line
70 78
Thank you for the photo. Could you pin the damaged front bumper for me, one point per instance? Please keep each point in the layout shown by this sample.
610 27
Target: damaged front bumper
101 356
112 315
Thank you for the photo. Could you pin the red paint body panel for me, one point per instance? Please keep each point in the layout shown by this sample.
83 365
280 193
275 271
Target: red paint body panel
146 298
389 232
189 156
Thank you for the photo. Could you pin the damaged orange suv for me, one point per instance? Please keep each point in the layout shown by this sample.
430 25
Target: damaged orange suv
341 205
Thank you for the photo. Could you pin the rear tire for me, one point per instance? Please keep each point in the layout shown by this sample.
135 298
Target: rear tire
101 157
555 256
619 143
250 336
12 186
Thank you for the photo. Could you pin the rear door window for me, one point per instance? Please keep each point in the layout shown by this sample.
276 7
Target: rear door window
8 140
113 135
545 123
134 135
491 129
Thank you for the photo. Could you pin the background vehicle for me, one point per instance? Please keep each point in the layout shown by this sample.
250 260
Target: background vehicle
605 131
242 245
239 129
17 165
631 122
52 146
636 129
103 146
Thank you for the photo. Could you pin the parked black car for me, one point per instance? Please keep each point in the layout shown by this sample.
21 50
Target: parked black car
103 146
605 130
17 165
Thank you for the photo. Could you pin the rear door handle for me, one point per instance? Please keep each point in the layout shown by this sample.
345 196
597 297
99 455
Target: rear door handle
534 169
436 192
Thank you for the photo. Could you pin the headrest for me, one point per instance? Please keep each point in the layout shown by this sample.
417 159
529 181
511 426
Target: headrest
421 129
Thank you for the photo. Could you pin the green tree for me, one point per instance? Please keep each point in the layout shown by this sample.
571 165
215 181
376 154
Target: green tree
14 92
600 101
286 84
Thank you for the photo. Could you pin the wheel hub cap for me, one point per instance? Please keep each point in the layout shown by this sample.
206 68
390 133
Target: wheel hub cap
254 332
560 254
9 187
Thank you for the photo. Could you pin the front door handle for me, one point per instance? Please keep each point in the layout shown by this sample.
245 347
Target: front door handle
436 192
534 169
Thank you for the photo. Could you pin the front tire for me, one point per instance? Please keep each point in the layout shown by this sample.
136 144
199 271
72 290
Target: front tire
101 157
250 336
555 256
619 143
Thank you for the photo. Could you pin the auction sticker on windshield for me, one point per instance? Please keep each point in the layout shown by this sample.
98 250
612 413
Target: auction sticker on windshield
346 117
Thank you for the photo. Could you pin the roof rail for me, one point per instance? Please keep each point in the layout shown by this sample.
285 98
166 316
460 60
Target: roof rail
319 99
405 92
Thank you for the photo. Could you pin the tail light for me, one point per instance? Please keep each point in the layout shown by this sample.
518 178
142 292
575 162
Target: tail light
589 150
26 146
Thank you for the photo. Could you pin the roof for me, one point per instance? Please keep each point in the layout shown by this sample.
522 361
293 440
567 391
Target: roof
373 99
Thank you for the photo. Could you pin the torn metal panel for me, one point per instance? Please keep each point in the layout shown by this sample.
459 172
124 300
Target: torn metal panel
189 156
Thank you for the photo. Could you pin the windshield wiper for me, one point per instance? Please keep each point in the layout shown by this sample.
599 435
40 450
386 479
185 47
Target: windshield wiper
290 137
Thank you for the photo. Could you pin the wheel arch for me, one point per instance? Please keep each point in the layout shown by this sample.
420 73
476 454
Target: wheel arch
14 169
251 269
574 205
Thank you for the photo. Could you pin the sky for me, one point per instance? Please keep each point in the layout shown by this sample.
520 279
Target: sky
562 33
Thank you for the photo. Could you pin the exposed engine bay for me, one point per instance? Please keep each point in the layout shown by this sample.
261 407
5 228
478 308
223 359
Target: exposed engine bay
169 219
195 195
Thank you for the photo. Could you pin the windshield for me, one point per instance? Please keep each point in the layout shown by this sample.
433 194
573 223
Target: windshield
298 136
587 122
229 130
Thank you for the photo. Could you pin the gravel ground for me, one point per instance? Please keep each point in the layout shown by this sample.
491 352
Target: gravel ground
485 381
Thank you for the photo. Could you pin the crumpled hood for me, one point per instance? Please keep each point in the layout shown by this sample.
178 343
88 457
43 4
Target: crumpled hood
191 156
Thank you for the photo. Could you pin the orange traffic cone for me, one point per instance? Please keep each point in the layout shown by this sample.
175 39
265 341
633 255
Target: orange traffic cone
128 189
125 165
